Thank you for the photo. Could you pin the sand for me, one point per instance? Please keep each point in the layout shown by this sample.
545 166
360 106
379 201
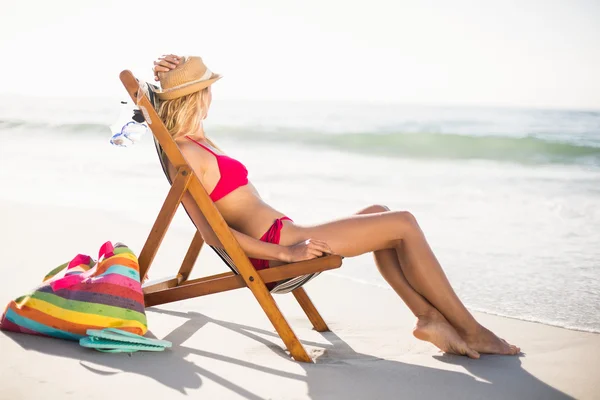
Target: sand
225 348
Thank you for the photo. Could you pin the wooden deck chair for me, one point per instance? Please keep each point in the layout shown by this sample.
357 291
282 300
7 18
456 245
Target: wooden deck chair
186 189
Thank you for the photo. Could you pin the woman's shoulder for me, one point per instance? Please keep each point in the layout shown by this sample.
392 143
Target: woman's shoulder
195 155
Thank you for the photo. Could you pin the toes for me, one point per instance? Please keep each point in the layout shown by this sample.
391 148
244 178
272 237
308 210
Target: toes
505 349
471 353
464 349
513 348
509 349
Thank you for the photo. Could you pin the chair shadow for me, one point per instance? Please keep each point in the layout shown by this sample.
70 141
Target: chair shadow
340 372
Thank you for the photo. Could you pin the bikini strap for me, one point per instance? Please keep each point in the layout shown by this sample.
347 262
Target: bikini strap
203 146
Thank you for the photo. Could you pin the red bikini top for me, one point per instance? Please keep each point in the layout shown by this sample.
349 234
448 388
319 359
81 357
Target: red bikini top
233 174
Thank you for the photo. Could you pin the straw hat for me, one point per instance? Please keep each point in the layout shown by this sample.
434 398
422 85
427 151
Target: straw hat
189 76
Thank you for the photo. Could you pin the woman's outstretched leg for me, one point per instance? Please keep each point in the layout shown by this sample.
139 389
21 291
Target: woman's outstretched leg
399 231
431 326
424 272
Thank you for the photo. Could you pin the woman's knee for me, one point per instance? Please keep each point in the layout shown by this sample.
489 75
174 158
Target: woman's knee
403 217
397 225
375 208
404 224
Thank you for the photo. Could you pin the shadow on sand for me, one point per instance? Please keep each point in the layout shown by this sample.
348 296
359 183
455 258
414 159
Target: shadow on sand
341 373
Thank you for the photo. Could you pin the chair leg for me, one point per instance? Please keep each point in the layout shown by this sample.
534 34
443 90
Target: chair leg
190 257
165 216
310 310
247 271
280 324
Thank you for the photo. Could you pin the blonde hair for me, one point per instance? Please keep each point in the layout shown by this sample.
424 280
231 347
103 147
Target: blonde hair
184 115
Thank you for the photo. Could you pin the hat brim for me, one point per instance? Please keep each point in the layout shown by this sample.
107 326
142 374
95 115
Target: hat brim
174 93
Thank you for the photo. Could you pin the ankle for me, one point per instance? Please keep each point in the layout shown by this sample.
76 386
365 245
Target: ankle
430 314
470 329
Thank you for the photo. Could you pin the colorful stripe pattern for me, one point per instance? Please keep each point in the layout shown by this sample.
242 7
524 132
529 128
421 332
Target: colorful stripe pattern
82 295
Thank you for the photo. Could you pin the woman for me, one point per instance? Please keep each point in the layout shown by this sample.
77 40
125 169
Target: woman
400 249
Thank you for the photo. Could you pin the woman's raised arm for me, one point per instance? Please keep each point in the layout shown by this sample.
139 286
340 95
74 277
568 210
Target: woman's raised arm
165 63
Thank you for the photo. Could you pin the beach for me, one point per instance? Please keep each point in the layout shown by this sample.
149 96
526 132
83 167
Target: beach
506 197
225 348
481 120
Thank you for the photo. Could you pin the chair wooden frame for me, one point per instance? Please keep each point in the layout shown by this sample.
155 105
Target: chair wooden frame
180 287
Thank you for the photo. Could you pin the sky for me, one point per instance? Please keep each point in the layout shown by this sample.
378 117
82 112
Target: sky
522 53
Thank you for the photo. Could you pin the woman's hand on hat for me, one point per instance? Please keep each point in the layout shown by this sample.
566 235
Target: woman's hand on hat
165 63
306 250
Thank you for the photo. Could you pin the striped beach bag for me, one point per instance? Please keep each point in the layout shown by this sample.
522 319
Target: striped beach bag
83 294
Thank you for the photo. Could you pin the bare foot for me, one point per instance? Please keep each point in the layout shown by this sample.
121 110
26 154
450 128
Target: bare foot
436 330
485 341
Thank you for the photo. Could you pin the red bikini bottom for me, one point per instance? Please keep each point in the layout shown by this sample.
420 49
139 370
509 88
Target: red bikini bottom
271 236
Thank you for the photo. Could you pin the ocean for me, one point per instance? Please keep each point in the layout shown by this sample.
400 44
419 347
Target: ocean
508 197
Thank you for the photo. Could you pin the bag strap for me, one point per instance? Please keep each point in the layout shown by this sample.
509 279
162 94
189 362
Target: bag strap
78 260
106 250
